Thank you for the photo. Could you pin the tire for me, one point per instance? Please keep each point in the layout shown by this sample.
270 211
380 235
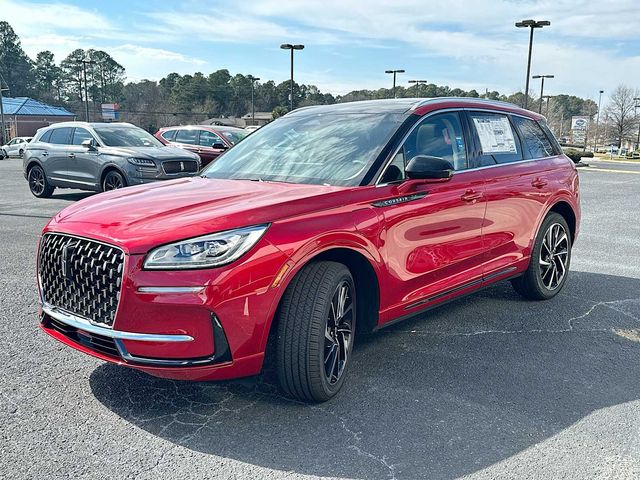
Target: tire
38 183
113 180
313 350
548 269
3 154
20 153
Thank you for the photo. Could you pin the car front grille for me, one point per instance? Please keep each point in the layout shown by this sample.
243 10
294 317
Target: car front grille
81 276
171 167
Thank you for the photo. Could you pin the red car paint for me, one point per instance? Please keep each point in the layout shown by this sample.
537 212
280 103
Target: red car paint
465 233
203 148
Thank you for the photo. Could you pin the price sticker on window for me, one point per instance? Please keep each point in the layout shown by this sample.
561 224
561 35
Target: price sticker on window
495 134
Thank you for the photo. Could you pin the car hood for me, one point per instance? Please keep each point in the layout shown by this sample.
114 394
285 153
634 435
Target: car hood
142 217
157 153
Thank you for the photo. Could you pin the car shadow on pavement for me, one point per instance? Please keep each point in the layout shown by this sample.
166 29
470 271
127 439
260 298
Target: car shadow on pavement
448 393
72 197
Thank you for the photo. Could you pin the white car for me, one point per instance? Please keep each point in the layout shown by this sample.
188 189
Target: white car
15 148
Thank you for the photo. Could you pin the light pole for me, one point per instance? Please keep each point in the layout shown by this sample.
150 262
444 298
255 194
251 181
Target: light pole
2 126
418 83
547 98
541 89
86 60
253 108
532 24
637 99
289 46
394 79
595 137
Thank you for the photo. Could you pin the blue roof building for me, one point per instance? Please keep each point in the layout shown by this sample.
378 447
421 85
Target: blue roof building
23 116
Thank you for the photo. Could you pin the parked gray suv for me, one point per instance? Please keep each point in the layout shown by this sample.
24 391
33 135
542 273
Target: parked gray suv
99 157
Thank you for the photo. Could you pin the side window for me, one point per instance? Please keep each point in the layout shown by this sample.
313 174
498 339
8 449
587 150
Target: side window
80 135
535 140
207 138
61 136
168 135
46 136
187 136
498 141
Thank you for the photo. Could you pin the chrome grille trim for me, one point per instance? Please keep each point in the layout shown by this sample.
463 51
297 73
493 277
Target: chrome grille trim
81 276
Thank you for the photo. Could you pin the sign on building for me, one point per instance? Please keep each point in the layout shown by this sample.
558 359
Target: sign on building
110 111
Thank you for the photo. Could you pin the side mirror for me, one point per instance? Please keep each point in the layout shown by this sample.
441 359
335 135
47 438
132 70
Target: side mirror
424 167
219 146
89 145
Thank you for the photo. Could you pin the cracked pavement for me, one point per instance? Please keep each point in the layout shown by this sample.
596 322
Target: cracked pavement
489 386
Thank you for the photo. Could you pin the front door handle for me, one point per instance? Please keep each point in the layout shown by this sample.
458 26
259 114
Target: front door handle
72 155
45 153
471 196
539 183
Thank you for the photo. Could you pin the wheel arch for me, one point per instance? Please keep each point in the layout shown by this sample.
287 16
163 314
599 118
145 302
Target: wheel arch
110 168
563 208
32 163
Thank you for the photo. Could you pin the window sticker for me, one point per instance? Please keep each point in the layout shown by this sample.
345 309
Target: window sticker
495 134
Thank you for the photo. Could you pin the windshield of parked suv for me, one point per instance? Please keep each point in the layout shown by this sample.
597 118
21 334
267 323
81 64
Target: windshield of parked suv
329 149
233 136
113 136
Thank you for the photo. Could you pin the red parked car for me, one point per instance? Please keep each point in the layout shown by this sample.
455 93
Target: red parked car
208 142
330 222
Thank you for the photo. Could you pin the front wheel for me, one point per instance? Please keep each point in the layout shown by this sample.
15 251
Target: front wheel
113 181
550 258
317 320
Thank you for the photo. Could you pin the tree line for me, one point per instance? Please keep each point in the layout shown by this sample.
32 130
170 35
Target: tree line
192 98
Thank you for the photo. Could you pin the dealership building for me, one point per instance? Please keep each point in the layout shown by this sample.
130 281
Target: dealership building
23 116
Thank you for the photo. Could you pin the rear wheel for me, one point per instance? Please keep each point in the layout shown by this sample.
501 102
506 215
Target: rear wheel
316 328
550 259
112 181
38 183
21 153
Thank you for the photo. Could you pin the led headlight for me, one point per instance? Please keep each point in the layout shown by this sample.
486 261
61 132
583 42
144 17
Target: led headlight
208 251
142 162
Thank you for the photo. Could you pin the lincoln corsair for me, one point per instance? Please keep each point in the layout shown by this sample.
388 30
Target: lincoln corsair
100 157
328 223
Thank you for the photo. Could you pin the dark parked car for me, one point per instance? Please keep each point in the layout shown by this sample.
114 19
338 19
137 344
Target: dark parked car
207 141
330 222
99 157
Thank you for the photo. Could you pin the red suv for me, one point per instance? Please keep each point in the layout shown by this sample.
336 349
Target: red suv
208 142
330 222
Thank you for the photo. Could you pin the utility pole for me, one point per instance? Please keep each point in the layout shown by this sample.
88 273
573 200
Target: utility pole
635 108
394 80
253 108
532 24
3 129
288 46
595 137
85 61
541 89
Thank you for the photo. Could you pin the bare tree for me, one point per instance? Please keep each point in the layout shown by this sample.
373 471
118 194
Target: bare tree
621 112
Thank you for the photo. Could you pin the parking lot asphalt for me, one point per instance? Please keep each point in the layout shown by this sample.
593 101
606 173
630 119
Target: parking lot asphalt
489 386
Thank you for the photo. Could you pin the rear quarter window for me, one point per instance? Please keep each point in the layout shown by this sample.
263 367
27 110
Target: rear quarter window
536 142
45 136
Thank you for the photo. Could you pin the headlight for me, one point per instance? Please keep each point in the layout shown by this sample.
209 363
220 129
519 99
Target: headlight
142 162
212 250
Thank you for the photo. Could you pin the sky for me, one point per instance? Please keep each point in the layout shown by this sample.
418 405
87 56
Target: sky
591 45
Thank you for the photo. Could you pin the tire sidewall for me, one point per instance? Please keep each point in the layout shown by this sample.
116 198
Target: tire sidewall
535 255
317 364
46 183
113 173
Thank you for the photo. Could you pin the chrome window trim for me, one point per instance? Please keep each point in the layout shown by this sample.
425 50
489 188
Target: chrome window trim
84 325
466 170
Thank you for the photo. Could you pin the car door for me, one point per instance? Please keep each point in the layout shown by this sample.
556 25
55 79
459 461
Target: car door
516 188
83 164
55 157
11 147
432 237
207 151
187 138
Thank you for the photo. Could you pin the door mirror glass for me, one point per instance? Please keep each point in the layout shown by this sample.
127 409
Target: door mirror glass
425 167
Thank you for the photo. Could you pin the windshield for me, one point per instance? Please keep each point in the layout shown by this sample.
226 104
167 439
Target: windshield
233 136
113 136
321 149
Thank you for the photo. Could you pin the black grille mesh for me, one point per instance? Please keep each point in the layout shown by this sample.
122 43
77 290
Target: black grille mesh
85 280
180 166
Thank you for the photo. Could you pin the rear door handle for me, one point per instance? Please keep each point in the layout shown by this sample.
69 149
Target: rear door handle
45 153
72 155
471 196
539 183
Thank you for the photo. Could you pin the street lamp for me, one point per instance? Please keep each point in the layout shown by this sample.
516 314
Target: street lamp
2 126
394 79
253 79
288 46
547 98
595 137
418 83
532 24
637 99
86 60
541 89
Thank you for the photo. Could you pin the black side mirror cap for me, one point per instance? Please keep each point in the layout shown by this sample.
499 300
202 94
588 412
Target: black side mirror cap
219 146
425 167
